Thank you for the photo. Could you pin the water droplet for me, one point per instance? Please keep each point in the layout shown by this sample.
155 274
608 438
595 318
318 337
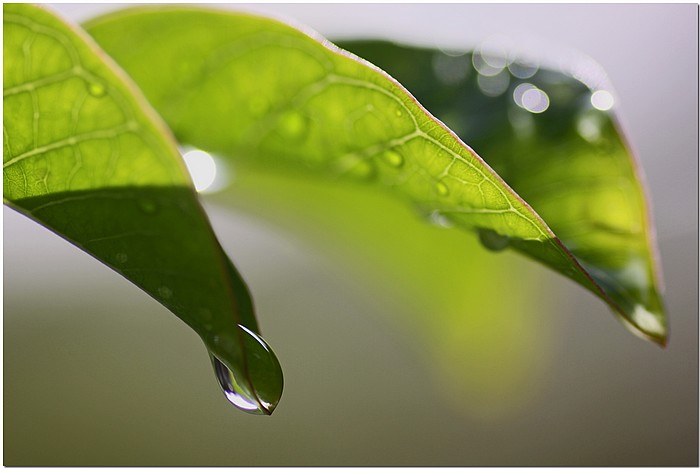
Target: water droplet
399 113
165 292
492 240
121 257
440 220
648 322
254 386
362 170
355 166
442 189
96 88
202 168
148 206
393 158
293 124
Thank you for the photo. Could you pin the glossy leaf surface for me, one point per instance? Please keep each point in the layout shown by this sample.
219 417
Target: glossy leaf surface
254 88
85 156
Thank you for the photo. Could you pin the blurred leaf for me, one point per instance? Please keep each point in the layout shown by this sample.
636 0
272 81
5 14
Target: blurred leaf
254 88
85 156
570 162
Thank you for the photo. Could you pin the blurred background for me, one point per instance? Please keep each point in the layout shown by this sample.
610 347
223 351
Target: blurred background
379 371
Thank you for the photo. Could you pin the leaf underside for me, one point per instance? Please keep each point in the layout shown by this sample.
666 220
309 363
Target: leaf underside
258 90
86 156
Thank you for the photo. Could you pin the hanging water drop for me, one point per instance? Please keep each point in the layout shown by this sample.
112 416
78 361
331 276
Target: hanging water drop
492 240
251 377
393 158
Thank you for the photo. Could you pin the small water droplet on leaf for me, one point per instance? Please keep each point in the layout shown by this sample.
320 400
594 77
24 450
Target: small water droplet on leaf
96 89
148 206
442 189
293 124
121 257
439 219
165 292
356 167
492 240
393 158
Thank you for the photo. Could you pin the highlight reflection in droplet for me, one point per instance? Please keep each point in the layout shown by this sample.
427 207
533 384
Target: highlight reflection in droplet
602 100
203 170
647 321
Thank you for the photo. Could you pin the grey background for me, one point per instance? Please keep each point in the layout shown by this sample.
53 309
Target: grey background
84 383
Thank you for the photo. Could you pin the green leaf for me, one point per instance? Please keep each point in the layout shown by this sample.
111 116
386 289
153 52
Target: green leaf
571 162
256 89
85 156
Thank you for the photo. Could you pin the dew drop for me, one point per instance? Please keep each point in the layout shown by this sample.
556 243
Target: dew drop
356 167
148 206
399 113
649 326
442 189
293 124
492 240
96 89
165 292
440 220
362 170
256 386
121 257
393 158
202 168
